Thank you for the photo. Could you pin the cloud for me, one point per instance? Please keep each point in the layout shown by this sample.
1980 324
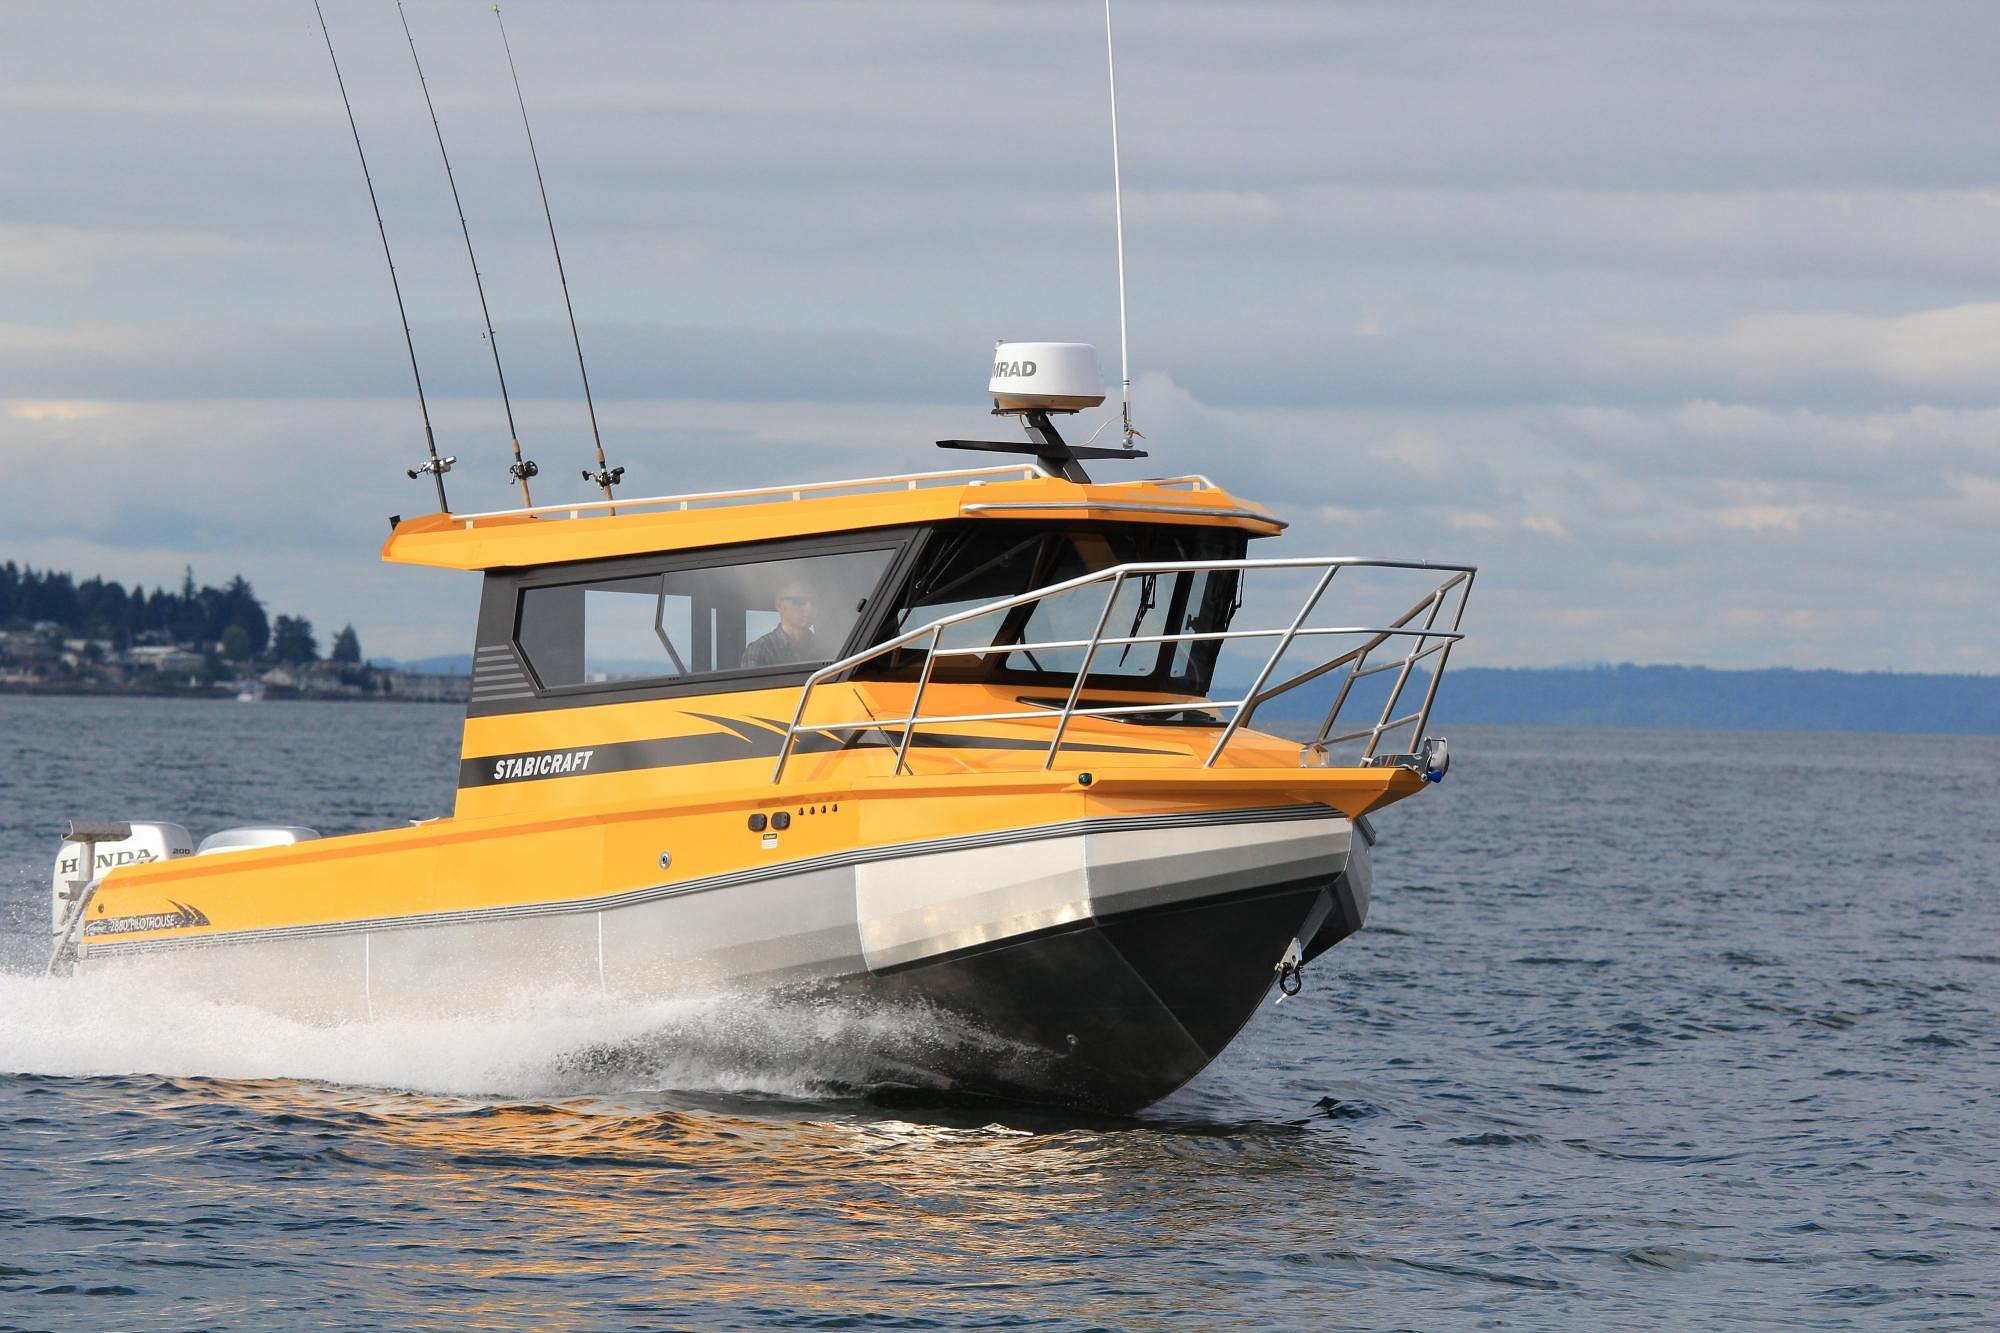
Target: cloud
1946 353
1610 536
1822 233
1761 518
1941 357
53 410
1674 319
1653 534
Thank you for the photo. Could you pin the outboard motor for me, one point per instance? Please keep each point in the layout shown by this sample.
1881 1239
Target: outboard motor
250 837
108 846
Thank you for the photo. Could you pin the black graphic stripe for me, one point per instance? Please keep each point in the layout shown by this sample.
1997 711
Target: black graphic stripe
736 739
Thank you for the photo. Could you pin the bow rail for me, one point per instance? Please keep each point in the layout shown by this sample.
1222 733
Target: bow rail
1428 628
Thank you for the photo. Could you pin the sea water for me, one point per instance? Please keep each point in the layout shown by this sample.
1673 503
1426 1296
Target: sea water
1645 1029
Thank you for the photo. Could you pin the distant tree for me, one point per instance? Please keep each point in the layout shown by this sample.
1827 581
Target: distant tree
346 647
92 608
236 644
157 609
185 620
100 609
50 596
243 608
292 640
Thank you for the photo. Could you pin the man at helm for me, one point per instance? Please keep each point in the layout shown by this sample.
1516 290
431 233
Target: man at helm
793 640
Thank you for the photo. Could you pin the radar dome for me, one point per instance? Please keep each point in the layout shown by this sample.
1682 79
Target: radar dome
1054 377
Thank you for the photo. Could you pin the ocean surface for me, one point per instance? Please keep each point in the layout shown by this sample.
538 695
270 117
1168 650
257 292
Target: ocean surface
1646 1029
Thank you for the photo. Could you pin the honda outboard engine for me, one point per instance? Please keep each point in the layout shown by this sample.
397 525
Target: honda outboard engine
132 842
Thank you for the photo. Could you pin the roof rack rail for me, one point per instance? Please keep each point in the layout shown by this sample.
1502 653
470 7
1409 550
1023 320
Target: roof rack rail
811 490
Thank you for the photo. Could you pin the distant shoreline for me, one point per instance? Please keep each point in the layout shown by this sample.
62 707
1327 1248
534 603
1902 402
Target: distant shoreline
83 690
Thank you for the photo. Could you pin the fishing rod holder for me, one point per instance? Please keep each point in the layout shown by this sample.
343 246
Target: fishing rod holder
432 466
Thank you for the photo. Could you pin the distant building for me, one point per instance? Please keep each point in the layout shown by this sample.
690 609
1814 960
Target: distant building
420 687
27 648
166 659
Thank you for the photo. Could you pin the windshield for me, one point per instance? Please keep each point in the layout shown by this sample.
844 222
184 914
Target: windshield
972 564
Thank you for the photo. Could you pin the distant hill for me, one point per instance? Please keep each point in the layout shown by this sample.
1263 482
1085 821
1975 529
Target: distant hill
1697 698
450 664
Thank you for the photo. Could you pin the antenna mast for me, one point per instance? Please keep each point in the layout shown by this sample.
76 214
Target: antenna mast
522 468
1118 217
605 477
434 467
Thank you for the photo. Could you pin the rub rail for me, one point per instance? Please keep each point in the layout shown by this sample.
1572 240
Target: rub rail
1428 628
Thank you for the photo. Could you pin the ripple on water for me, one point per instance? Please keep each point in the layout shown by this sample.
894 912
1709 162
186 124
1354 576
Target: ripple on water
1639 1073
1668 1258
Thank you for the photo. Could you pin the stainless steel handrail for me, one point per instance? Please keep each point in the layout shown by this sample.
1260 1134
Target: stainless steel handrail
821 489
1424 640
797 491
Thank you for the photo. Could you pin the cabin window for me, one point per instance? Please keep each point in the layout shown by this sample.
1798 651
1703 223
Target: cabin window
778 613
975 564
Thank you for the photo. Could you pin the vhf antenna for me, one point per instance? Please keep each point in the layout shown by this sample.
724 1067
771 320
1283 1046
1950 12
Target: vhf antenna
434 467
604 477
522 468
1118 216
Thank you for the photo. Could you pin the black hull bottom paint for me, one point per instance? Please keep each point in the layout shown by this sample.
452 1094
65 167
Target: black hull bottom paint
1109 1015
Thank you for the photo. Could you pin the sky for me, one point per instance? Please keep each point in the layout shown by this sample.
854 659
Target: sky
1681 321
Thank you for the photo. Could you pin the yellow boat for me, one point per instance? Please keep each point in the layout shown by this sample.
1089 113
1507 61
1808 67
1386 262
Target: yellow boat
952 741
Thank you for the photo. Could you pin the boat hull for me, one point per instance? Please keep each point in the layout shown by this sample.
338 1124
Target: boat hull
1112 1014
1097 963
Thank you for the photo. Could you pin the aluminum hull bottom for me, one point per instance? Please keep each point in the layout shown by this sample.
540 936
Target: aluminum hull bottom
1097 965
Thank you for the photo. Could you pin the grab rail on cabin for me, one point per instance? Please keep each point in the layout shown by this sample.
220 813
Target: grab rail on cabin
812 490
1428 628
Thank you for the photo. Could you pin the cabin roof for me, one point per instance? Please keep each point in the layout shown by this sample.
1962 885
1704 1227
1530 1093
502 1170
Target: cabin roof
559 534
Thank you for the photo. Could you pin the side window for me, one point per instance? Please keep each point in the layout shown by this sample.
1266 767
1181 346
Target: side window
698 619
626 626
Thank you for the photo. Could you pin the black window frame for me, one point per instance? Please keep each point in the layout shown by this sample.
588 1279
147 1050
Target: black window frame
905 664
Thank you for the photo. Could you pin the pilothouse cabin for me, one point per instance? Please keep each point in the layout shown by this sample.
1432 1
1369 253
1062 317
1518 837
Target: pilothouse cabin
665 633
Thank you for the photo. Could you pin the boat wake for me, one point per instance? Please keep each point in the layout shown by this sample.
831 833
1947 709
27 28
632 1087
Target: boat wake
544 1044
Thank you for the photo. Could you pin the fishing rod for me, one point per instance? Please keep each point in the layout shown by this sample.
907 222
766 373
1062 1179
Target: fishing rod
434 467
1118 216
522 468
604 477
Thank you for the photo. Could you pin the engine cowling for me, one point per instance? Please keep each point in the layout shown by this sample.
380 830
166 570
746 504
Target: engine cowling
149 840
